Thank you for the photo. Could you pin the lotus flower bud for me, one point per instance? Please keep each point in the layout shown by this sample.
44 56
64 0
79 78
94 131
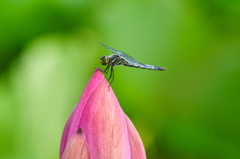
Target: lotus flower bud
98 128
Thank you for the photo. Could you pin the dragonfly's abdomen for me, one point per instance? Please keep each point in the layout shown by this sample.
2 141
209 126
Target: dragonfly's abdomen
143 66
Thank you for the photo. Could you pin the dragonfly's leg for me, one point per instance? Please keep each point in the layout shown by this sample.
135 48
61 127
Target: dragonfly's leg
106 70
110 74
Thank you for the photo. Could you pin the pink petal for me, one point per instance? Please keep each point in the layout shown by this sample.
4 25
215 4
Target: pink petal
77 147
104 124
73 121
136 145
65 134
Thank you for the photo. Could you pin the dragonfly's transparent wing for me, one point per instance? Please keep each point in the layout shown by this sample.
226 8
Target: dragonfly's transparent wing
109 48
118 52
126 56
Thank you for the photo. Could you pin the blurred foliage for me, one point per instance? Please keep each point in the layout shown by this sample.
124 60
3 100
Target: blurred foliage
49 49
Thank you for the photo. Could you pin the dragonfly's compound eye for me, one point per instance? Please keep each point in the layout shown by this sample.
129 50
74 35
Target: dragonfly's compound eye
104 60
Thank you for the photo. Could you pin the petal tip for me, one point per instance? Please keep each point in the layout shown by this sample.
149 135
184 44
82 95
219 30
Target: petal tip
77 147
97 69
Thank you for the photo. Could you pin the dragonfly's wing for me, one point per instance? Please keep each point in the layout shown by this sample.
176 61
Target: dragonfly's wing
109 48
126 56
118 52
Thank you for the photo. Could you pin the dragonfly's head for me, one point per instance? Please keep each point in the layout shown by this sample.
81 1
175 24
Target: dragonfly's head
104 60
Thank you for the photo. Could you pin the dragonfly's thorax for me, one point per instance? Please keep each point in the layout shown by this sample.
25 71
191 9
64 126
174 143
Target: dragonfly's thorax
114 60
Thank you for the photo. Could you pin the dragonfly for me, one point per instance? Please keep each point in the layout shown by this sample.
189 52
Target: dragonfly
120 58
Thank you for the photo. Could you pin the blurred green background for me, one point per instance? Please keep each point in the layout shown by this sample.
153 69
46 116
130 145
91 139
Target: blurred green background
49 50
